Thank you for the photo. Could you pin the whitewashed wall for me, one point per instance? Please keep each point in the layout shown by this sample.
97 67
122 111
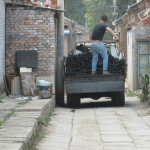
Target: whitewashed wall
137 33
2 44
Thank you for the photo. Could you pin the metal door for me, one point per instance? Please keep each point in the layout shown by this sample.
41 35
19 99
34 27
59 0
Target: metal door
143 60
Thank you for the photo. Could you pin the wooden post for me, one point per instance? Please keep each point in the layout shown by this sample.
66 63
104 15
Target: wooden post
60 56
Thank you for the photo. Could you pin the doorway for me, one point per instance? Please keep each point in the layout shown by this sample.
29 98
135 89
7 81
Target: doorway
143 60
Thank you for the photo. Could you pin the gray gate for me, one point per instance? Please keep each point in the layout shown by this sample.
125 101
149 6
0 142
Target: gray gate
143 60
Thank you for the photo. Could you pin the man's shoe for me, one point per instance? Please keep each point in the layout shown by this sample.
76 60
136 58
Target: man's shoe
106 73
93 74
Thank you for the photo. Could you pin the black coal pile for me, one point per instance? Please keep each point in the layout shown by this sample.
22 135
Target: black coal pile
81 64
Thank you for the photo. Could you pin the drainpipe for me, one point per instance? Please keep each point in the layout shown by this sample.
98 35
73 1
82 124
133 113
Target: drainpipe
59 78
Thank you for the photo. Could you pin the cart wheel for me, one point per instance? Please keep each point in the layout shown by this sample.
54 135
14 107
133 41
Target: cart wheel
73 100
118 98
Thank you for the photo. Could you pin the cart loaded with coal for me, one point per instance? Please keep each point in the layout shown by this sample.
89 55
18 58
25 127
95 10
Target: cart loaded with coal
79 83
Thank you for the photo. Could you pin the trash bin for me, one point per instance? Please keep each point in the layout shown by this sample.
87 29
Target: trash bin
44 89
44 92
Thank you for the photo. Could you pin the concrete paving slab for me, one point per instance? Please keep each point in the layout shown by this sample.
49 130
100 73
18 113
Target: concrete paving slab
101 128
22 123
11 146
86 147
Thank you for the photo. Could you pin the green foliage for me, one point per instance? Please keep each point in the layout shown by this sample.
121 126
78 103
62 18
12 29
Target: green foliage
1 122
1 101
123 6
9 114
75 10
40 132
145 88
134 93
79 10
25 101
47 119
96 8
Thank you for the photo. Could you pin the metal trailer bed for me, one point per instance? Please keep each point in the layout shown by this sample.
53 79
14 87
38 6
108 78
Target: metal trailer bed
95 87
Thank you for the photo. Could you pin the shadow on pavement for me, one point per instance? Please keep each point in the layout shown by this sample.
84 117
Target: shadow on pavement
96 104
93 104
99 103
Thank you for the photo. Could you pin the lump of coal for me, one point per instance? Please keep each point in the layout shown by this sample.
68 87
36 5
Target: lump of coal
81 64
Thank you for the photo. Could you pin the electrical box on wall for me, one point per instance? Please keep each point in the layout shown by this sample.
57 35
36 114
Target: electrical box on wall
26 58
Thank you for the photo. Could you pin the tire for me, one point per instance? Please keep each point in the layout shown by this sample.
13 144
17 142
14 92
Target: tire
118 99
60 100
73 100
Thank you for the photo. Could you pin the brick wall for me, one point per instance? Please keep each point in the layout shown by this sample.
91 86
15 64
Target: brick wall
31 28
2 45
128 20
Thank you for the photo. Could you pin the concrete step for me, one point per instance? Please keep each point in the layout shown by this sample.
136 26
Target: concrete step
18 130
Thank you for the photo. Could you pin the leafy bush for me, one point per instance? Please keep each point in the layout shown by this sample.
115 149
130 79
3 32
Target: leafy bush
145 88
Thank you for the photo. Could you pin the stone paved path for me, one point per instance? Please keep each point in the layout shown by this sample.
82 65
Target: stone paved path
20 119
99 128
6 106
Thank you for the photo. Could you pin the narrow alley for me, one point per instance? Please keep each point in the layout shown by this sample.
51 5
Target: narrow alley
75 75
99 128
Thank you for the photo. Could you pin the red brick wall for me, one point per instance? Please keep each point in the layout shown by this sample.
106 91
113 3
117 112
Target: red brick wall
30 29
130 19
146 21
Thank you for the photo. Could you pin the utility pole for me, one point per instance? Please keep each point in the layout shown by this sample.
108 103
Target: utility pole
115 11
59 78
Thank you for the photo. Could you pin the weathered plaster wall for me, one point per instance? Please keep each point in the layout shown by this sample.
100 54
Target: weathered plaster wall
2 45
137 33
130 61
